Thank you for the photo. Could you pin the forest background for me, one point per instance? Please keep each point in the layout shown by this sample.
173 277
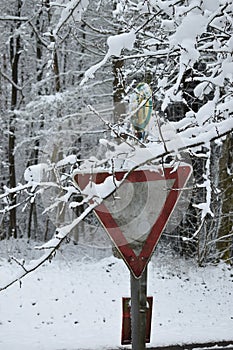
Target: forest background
67 69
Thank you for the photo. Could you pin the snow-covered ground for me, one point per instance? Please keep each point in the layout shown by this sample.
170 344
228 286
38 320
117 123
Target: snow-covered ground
75 302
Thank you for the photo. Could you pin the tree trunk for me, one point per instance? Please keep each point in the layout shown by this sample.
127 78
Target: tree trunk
14 56
225 235
118 89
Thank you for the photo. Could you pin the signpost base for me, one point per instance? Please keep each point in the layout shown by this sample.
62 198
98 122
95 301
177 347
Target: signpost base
138 310
126 335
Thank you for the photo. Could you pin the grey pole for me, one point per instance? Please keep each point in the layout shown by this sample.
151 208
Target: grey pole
138 310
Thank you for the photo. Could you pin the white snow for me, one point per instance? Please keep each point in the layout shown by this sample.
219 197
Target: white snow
71 159
75 302
116 43
118 11
35 173
191 26
101 190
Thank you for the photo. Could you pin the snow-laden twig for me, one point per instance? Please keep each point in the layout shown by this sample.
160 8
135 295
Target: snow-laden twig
19 88
78 6
205 207
116 43
13 18
60 236
114 128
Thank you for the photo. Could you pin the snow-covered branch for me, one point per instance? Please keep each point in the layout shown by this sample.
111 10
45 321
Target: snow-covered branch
73 9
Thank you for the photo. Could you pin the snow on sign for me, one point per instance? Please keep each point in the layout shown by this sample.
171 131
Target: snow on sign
136 214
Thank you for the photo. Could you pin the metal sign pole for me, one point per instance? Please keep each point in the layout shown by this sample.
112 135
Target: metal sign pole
138 310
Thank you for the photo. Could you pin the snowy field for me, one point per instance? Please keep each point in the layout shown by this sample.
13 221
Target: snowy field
75 302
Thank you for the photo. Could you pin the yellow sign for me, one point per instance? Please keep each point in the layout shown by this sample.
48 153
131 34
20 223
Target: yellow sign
141 103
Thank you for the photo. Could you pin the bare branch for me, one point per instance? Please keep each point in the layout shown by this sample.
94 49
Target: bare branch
11 81
13 18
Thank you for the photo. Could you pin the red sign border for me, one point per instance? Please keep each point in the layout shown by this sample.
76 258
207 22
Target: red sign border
136 263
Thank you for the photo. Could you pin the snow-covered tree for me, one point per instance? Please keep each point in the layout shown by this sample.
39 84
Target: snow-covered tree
88 58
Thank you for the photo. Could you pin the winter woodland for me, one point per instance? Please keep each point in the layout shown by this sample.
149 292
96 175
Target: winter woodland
67 71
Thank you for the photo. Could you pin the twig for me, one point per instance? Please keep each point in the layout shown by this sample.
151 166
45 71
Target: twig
21 264
110 126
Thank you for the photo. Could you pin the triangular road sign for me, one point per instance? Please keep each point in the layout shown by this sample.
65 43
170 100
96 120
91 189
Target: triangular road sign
138 211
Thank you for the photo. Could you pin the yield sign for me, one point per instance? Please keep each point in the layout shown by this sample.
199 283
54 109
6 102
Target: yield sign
138 211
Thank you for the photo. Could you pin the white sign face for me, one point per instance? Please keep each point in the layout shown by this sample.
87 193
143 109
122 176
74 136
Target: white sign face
139 210
135 207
